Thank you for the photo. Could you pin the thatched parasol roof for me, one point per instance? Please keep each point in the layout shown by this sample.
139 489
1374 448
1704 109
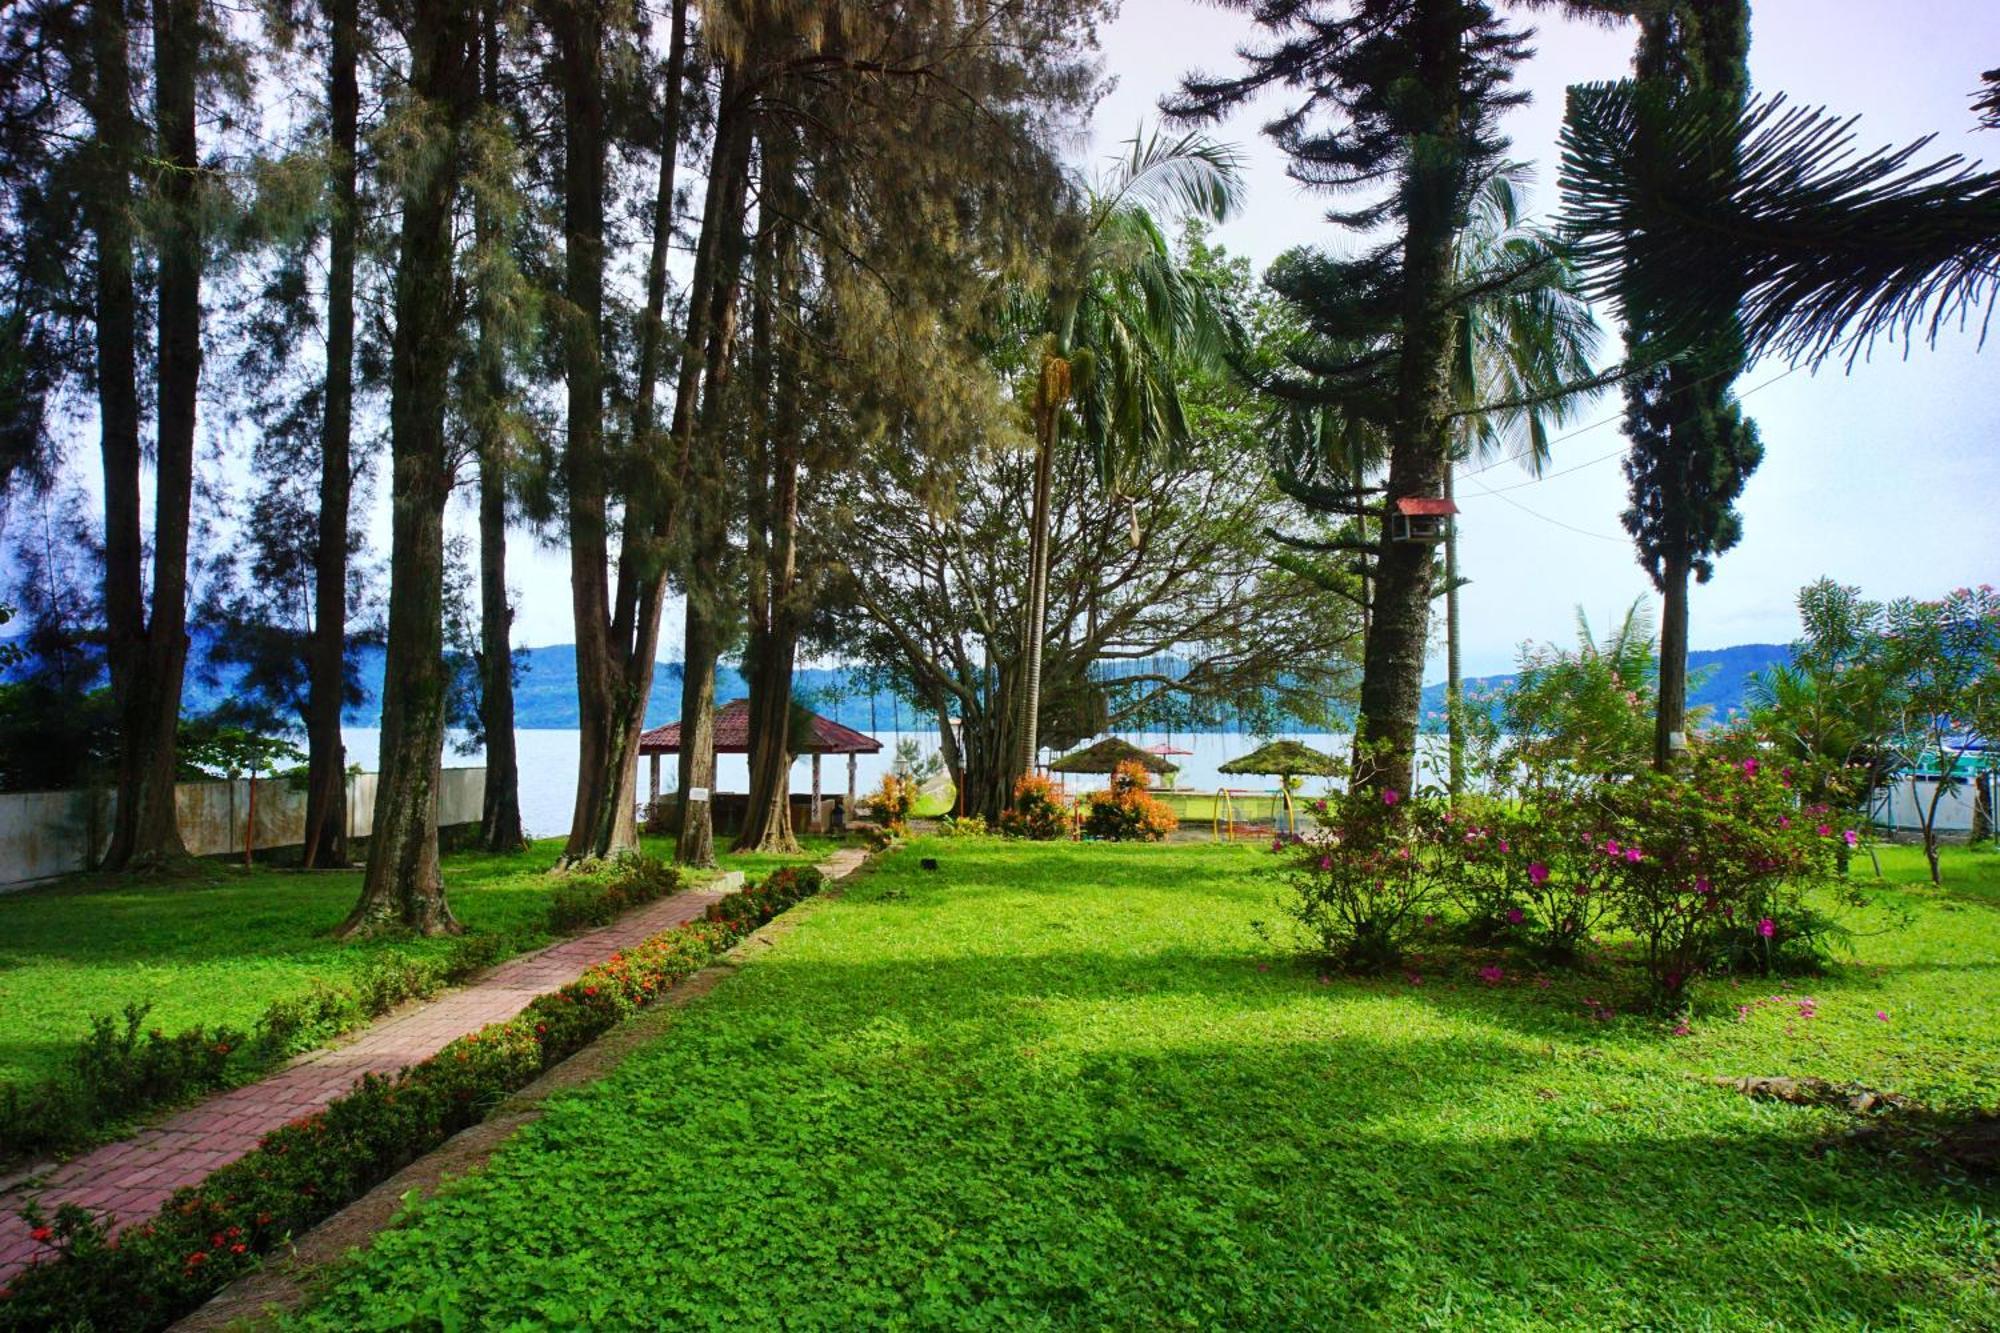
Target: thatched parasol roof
1107 754
1284 759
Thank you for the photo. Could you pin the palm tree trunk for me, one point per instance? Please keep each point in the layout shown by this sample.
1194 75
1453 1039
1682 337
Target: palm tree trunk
1038 594
326 758
402 885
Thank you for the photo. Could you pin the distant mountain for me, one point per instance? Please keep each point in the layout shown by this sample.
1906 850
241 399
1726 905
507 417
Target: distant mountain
1720 679
545 699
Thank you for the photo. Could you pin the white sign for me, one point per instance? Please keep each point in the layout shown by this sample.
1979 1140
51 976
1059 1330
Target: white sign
697 793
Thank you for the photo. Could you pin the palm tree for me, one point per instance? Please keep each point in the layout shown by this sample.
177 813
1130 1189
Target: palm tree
1521 364
1118 316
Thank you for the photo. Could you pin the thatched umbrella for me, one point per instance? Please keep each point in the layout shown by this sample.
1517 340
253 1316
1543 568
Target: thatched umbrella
1107 754
1284 759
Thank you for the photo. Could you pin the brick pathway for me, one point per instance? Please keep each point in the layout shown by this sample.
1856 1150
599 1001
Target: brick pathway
133 1177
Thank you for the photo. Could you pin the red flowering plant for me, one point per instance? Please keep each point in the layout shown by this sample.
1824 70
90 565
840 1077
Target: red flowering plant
1127 812
1367 874
1710 859
1535 872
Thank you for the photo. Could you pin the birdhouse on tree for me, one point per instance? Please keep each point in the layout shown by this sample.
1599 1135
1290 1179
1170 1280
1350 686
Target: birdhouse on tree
1421 518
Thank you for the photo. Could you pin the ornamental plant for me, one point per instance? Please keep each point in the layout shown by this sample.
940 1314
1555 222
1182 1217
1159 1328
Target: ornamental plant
1364 878
1534 872
1127 812
1699 857
1038 811
893 801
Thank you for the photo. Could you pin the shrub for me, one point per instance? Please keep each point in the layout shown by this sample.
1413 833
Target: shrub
1126 812
209 1234
1701 857
1367 874
962 826
1038 810
598 893
893 801
1528 872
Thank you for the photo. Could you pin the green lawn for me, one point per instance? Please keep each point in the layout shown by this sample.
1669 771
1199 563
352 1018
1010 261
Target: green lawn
1068 1086
814 848
218 945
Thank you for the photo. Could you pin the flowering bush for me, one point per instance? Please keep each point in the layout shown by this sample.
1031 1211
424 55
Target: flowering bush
1705 856
1126 812
1365 876
209 1234
893 801
1533 872
1038 810
962 826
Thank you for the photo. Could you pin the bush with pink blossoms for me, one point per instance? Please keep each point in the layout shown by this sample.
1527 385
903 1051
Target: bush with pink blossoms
1366 876
1535 872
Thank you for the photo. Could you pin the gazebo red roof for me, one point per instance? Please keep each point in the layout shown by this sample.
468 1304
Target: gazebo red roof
1425 506
732 735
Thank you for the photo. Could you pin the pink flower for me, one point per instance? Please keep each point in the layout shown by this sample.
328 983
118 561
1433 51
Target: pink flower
1390 796
1826 830
1632 855
1326 863
1504 847
1515 916
1784 821
1610 847
1882 1014
1701 885
1767 927
1749 768
1493 974
1851 837
1538 874
1681 1028
1430 918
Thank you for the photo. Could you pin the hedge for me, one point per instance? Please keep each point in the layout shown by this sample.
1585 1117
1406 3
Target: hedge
209 1234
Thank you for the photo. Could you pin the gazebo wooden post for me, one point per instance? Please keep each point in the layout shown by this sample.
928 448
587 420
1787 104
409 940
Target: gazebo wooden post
818 824
851 760
655 785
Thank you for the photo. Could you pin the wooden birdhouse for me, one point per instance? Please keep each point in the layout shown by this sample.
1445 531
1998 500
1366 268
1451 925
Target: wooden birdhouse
1421 518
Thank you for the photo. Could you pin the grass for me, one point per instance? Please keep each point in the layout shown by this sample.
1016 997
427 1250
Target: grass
1069 1086
813 848
219 944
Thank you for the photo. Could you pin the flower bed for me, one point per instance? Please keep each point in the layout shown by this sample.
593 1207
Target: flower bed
208 1234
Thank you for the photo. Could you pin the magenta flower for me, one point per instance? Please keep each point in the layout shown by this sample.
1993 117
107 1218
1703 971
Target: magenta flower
1701 885
1749 768
1390 796
1632 855
1493 974
1882 1014
1504 847
1851 837
1430 918
1538 874
1766 927
1515 916
1610 847
1826 830
1784 821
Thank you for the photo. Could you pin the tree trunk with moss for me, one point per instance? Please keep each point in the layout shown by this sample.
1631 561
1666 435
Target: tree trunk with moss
402 886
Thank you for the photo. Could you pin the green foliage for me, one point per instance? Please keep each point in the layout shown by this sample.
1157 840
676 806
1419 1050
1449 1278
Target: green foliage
1065 1086
1037 811
1368 874
209 1234
1126 811
599 893
962 826
892 802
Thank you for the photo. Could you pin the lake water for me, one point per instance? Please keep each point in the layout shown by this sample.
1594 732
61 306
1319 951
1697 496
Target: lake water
548 766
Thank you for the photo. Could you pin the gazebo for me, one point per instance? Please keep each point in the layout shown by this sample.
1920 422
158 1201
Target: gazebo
1107 754
732 736
1285 759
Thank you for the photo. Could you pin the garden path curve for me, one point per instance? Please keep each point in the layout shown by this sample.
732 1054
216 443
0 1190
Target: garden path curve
132 1178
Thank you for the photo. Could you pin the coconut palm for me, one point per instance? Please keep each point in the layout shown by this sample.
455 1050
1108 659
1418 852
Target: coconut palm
1118 317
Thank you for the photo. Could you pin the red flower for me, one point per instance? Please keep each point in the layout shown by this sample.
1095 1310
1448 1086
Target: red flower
42 1233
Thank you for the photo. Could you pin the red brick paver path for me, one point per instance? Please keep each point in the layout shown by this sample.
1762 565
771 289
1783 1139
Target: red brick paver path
130 1179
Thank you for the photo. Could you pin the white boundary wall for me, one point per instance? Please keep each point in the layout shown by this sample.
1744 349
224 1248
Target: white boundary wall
1896 805
49 833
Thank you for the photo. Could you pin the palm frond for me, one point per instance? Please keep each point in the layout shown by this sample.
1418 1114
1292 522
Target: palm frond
1828 248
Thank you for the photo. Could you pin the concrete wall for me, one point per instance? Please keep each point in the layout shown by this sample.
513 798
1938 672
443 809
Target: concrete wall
1896 806
43 834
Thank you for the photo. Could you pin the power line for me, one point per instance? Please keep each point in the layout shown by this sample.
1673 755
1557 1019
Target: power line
1581 532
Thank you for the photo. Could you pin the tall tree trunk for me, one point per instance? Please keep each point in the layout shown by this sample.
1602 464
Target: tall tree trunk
1038 586
608 782
147 831
500 813
579 43
1670 717
402 885
699 647
1399 631
109 212
326 757
1454 684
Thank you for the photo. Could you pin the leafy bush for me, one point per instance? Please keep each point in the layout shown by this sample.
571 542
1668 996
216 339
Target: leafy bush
1126 812
1699 857
1527 872
1370 870
209 1234
1038 811
598 893
962 826
893 801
